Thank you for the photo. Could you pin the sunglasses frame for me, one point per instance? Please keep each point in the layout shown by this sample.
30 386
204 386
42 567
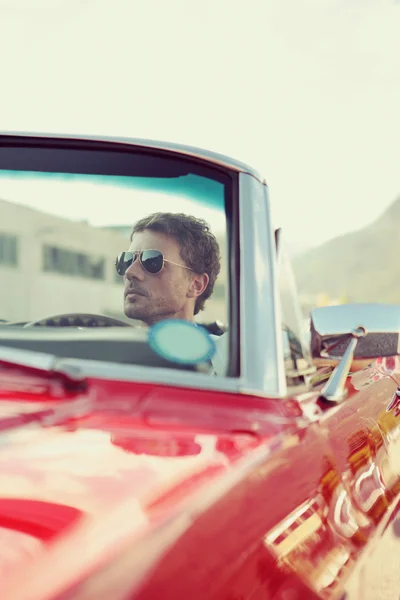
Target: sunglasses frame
139 253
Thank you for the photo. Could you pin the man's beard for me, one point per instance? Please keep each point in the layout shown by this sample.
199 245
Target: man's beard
150 313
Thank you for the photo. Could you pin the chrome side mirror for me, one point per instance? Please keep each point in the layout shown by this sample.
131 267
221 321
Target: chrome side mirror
352 331
331 327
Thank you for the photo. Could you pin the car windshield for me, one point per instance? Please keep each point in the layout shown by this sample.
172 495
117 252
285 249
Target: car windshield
62 230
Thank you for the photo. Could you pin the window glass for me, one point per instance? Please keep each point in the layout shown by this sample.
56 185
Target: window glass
70 227
8 249
295 351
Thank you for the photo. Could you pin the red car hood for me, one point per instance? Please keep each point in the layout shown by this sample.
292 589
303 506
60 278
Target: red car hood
90 469
115 462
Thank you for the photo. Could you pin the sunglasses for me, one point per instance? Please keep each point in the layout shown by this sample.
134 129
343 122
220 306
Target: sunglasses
152 261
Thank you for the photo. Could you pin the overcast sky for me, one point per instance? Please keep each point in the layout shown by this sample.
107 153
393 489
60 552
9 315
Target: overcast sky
307 91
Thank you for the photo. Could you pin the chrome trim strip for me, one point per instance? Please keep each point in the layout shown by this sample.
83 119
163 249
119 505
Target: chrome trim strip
27 358
262 364
81 368
212 157
156 375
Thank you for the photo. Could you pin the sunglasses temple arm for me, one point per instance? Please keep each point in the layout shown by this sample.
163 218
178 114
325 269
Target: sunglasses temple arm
177 264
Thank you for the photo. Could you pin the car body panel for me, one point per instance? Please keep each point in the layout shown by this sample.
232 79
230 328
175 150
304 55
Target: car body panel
360 432
149 449
169 456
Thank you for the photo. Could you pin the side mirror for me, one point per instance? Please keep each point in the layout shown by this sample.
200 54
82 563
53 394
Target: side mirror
349 332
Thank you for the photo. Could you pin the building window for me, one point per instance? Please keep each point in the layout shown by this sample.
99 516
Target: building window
98 269
8 249
75 264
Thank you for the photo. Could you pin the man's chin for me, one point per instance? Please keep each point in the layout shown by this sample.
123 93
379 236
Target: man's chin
132 312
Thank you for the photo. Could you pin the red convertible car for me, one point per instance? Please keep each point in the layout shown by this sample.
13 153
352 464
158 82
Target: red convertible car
219 457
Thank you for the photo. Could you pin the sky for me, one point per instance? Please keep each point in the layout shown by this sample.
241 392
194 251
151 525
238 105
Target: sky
306 91
80 199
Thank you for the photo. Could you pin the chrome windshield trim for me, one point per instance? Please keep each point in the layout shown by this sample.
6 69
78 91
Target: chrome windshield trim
191 151
262 366
156 375
27 358
82 368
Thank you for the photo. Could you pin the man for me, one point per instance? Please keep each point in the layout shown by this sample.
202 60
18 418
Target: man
170 268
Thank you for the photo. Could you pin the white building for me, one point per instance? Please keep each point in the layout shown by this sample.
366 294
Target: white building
50 265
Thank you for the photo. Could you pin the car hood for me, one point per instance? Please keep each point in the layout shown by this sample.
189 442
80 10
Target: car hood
90 469
69 463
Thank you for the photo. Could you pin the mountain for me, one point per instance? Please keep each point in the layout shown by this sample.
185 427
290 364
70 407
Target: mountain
361 265
295 248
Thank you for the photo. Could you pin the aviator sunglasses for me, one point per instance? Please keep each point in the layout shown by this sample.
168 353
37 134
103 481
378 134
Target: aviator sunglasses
152 261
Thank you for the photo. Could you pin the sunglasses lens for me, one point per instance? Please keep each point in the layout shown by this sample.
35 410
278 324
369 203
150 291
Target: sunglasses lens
152 261
123 262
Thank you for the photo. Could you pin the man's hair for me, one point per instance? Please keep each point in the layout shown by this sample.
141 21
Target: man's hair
199 247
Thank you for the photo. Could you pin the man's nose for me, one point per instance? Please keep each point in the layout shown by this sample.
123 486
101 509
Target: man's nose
135 271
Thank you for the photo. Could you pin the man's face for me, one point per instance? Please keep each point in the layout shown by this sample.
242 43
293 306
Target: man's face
168 294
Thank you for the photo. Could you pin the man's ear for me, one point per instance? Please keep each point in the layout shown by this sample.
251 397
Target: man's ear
197 285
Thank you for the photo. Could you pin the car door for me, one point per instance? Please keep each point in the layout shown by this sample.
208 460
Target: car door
363 434
322 532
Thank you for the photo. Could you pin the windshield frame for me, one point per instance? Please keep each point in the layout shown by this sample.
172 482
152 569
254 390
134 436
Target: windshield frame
52 154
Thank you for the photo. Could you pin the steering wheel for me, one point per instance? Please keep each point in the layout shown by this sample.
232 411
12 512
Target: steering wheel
78 320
